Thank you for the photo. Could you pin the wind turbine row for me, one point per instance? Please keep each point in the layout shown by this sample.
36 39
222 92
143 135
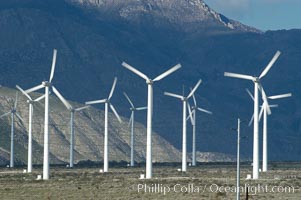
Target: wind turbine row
263 111
48 86
192 116
184 134
30 102
257 85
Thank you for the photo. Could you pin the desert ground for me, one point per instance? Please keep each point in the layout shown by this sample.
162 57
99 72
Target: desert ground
205 181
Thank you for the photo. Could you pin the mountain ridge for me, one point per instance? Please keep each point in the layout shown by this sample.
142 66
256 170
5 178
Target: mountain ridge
182 13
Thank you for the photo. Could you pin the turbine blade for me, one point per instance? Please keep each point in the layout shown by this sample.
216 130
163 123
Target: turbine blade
280 96
16 100
5 114
23 92
141 108
115 112
190 114
34 88
173 95
63 100
261 111
113 88
81 108
194 89
250 94
129 100
274 106
53 65
96 102
168 72
265 99
269 66
241 76
131 118
40 98
129 67
194 100
19 117
251 121
204 110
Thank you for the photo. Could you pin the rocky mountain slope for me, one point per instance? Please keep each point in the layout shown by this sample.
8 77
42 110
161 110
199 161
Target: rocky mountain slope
93 40
185 14
89 132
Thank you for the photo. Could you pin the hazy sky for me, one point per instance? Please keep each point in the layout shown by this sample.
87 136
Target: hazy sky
262 14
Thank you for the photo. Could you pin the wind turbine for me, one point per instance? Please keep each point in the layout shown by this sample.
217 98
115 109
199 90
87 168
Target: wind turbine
184 142
12 112
132 122
107 104
47 85
30 102
72 110
263 112
257 85
192 116
149 83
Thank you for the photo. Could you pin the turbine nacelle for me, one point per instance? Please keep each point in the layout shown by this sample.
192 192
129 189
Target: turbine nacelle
149 81
46 84
30 101
256 80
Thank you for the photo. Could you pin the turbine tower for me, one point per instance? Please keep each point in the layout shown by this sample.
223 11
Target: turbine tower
263 112
12 113
30 102
192 115
257 85
48 86
132 123
72 112
149 83
184 140
107 105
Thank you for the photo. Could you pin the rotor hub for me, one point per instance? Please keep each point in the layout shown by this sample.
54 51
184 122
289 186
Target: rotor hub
46 84
256 80
149 82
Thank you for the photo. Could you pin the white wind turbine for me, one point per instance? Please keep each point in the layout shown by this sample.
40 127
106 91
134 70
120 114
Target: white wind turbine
107 104
47 85
132 122
257 85
149 83
192 116
12 113
184 140
263 112
30 102
72 110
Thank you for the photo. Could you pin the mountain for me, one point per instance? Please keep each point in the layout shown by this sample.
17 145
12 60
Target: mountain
93 40
188 15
